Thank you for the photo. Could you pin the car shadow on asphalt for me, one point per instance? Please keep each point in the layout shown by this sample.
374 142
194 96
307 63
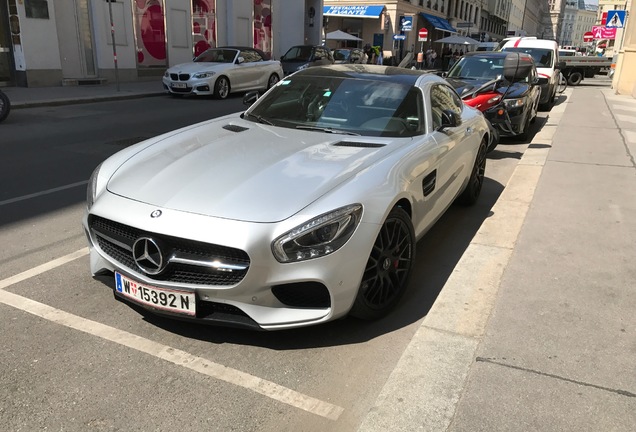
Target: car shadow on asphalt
437 254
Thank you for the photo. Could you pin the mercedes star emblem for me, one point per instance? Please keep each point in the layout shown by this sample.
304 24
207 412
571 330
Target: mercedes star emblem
147 255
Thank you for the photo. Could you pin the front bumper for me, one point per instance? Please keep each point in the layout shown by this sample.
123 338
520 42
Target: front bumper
270 295
192 86
507 122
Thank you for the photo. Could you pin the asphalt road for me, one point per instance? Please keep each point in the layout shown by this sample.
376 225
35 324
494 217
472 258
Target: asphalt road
75 359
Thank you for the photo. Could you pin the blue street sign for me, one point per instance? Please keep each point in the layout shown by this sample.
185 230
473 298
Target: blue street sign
615 19
399 37
406 23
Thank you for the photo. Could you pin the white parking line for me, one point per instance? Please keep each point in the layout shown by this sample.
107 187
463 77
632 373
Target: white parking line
45 192
165 352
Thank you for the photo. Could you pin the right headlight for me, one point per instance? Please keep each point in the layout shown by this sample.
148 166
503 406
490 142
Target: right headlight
318 237
91 189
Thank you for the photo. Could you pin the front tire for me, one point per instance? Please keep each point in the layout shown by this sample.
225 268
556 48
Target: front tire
476 181
221 88
388 269
5 106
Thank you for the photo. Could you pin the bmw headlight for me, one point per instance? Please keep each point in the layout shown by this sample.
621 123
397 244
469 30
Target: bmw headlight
203 75
91 190
514 103
318 237
166 74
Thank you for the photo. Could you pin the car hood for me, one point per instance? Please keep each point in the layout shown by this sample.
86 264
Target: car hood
235 169
194 67
516 90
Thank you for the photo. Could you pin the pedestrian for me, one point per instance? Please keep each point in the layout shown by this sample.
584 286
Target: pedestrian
433 59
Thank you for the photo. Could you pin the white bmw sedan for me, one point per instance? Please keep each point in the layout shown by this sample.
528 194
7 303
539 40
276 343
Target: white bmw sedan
221 71
303 209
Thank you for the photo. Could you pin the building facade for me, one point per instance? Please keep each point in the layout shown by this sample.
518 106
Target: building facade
62 42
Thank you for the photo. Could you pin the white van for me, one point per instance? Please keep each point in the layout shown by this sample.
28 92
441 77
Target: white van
546 58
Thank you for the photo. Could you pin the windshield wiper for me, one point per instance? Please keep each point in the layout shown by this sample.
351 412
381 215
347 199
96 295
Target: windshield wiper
327 130
260 119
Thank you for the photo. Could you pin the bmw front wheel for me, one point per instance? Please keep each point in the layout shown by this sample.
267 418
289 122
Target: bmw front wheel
222 88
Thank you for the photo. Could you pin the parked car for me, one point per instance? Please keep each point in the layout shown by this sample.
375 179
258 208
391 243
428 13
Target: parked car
348 55
545 54
221 71
300 57
510 103
301 210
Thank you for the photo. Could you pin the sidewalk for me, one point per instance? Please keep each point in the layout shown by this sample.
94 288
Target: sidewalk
535 329
23 97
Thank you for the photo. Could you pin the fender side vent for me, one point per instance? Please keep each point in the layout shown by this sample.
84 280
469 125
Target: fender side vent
235 128
358 144
428 184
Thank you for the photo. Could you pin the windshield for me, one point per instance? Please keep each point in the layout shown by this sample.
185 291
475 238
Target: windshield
477 68
543 57
298 53
342 105
341 54
216 56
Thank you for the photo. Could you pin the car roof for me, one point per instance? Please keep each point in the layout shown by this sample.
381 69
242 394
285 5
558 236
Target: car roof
374 72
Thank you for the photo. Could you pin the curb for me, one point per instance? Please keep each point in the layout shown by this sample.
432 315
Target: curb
427 383
81 100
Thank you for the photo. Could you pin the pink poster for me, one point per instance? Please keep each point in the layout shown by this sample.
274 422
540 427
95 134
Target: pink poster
203 25
150 33
263 26
602 32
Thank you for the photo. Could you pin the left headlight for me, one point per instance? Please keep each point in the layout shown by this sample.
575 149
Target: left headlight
514 103
318 237
203 75
91 189
166 74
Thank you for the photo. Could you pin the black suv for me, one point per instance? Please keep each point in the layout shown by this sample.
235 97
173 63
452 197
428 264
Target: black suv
301 57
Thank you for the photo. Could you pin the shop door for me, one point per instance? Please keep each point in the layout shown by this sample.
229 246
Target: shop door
76 39
5 46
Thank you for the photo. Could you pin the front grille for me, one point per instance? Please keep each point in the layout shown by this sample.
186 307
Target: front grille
303 294
116 240
179 77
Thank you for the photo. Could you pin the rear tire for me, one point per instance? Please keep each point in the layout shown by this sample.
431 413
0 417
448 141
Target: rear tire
5 106
271 82
388 269
575 78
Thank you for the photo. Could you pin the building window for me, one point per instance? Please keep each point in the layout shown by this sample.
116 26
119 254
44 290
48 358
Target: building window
36 9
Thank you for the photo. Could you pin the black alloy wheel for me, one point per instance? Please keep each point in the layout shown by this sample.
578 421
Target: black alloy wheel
388 269
473 189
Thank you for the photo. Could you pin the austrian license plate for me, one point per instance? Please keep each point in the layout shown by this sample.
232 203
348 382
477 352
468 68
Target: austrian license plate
178 85
182 302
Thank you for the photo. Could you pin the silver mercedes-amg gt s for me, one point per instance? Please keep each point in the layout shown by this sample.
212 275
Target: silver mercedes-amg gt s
301 210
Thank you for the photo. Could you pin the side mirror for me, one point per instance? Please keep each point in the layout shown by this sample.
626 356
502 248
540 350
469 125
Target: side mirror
450 119
240 60
250 98
561 65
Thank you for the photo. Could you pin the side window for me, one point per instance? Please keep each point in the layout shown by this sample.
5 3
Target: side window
443 98
250 56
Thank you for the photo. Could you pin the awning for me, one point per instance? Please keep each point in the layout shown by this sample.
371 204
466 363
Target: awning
439 23
369 11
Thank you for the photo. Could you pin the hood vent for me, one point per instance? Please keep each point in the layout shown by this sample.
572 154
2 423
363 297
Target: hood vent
358 144
235 128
